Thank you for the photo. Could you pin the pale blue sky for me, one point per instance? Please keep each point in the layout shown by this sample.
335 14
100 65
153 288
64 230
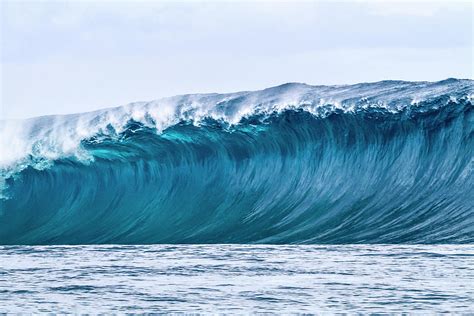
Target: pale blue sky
76 56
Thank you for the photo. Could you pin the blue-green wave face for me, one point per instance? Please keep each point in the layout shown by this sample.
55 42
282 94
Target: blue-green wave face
389 162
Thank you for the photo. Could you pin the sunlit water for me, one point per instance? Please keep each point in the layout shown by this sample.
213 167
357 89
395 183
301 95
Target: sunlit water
237 278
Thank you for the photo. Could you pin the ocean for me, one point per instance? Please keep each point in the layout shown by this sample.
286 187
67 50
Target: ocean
237 279
295 198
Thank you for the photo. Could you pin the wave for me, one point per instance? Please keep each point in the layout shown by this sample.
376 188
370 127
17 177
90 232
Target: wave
385 162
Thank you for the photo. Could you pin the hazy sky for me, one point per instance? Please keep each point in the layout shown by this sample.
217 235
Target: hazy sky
76 56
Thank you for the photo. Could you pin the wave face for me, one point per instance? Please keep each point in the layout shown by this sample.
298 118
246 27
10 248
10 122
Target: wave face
386 162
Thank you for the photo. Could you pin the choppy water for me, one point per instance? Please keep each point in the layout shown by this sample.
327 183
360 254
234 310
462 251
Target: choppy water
237 278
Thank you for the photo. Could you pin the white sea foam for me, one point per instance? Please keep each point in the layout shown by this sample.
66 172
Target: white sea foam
38 140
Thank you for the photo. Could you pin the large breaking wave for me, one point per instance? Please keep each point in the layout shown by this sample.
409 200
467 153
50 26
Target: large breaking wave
386 162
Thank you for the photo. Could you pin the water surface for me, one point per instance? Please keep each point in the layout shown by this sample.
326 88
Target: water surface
237 278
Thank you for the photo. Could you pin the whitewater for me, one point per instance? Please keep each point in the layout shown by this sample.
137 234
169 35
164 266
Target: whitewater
388 162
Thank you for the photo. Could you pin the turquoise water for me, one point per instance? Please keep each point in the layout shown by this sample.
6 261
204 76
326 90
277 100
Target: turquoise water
388 163
355 198
237 278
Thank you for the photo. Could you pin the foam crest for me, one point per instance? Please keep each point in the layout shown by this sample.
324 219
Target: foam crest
31 141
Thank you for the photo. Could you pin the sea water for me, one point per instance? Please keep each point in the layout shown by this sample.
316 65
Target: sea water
206 177
237 278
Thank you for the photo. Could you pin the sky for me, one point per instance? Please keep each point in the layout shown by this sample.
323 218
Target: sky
62 57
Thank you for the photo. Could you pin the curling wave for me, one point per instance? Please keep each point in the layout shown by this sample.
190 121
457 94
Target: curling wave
386 162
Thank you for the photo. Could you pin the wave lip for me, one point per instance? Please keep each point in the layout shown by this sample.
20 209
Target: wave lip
385 162
46 138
